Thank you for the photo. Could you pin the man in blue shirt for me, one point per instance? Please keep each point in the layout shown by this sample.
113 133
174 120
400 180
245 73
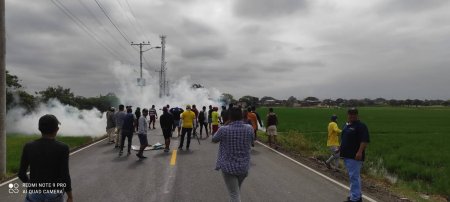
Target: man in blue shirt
234 152
127 131
354 140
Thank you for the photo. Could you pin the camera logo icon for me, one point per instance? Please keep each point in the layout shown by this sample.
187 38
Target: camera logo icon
13 188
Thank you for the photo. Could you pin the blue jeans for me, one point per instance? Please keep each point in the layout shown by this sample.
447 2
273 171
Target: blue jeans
44 197
354 169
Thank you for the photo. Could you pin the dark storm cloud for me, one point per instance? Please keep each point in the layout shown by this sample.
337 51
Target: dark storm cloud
264 9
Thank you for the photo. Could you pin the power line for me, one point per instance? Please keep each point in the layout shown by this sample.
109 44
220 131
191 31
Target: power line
134 17
110 20
82 26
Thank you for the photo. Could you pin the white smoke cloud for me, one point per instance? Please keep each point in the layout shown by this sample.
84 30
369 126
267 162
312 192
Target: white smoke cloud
76 122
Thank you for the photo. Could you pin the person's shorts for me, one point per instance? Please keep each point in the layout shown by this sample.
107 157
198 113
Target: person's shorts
272 130
167 133
152 118
143 139
209 120
177 123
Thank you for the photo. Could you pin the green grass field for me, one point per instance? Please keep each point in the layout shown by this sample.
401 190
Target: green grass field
15 143
411 144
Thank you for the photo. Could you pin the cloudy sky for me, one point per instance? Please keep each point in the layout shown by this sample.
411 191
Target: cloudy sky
324 48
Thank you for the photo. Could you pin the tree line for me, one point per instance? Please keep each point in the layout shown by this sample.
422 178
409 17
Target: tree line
292 101
16 96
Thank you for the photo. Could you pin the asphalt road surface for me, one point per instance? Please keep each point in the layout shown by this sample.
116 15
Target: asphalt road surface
99 174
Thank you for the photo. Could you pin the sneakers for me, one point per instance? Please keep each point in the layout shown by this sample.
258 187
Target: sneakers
120 153
166 150
140 156
348 200
128 153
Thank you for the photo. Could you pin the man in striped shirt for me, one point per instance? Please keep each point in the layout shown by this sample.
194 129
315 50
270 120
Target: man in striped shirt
153 116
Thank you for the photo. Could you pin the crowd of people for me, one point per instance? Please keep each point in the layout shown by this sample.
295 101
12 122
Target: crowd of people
234 128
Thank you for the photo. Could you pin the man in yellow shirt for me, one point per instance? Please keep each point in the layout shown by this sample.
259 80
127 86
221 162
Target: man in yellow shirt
215 120
333 143
187 117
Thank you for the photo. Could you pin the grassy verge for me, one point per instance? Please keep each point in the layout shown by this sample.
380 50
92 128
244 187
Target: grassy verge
15 143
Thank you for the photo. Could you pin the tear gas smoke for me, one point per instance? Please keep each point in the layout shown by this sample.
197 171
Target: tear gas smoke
76 122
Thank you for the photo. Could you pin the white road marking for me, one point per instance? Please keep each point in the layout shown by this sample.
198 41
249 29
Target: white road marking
314 171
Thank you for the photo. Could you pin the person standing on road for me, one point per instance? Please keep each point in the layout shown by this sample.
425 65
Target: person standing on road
153 116
188 118
215 120
127 131
110 125
142 133
224 115
195 110
166 122
119 116
354 140
254 120
257 117
203 121
333 143
271 130
233 158
210 110
137 114
176 112
48 161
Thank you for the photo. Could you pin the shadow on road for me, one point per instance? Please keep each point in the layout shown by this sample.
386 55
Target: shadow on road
138 162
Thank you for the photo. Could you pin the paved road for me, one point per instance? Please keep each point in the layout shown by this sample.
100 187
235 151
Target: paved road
98 174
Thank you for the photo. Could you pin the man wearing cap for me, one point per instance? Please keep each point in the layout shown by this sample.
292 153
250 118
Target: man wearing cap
333 143
354 140
48 161
188 118
110 125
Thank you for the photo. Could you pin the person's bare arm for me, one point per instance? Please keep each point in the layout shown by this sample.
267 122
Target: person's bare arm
359 154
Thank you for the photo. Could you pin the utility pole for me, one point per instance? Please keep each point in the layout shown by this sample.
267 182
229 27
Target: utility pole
140 80
162 72
2 91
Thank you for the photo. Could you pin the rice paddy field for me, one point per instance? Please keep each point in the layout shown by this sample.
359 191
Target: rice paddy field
409 146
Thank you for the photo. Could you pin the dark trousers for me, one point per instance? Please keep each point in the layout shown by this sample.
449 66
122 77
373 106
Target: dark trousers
129 135
201 127
183 133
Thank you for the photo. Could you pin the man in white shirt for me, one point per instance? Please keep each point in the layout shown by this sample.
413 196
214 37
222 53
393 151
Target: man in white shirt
142 133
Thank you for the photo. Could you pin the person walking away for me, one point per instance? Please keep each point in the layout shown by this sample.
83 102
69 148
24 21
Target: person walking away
333 143
354 140
188 118
271 130
210 110
176 112
119 116
253 119
142 133
224 115
214 120
166 123
233 157
48 160
153 116
127 131
137 114
245 117
110 125
194 109
203 121
257 117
